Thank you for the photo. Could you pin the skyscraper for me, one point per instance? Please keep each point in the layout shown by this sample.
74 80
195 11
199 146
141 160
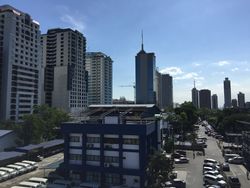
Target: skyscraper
227 93
99 67
20 63
241 100
65 76
214 101
164 90
205 98
195 96
144 77
234 103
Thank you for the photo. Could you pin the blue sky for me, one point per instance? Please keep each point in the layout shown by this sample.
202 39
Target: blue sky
206 40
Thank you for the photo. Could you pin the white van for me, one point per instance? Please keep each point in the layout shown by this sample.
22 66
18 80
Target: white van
25 165
3 176
42 181
33 163
20 169
10 171
30 184
230 155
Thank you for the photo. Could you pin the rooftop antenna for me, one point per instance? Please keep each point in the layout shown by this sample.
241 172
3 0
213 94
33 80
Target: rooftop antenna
142 39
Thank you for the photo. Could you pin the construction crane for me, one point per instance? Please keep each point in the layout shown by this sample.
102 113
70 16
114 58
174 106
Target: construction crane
133 86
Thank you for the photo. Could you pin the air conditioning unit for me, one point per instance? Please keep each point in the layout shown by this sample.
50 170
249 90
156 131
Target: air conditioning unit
106 164
90 145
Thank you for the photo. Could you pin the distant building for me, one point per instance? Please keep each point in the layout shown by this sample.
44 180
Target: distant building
21 73
241 100
113 146
195 97
205 98
144 77
99 67
7 139
164 90
65 84
234 103
227 93
214 101
122 100
248 105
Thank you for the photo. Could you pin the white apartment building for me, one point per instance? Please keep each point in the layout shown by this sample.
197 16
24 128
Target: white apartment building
65 84
99 67
21 73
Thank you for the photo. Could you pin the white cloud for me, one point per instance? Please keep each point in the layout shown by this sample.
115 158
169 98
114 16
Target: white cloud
196 64
191 75
173 71
75 23
235 69
222 63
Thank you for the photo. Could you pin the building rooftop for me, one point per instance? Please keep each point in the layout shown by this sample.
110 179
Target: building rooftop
10 154
5 132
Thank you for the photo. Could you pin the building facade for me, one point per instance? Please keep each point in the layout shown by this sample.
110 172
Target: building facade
205 98
234 103
99 67
164 90
246 148
65 83
227 93
214 101
145 78
112 147
241 100
20 63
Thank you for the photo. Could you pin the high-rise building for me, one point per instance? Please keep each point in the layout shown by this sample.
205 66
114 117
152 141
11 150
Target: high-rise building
65 76
241 100
99 67
214 101
20 63
234 103
195 96
144 77
205 98
247 105
227 93
164 90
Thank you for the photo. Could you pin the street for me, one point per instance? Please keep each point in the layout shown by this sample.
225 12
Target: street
194 177
40 172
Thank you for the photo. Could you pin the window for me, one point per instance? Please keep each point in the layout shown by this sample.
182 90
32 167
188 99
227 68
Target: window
92 157
93 139
110 159
75 157
131 141
74 138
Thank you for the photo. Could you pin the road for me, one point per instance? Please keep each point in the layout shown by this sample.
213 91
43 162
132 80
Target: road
194 167
40 172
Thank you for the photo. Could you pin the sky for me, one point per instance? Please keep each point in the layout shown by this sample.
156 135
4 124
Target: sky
202 40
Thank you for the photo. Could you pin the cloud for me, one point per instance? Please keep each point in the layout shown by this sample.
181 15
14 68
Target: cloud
222 63
75 23
191 75
173 71
196 64
235 69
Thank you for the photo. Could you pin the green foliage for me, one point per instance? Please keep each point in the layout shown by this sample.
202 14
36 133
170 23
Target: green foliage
39 126
169 145
159 169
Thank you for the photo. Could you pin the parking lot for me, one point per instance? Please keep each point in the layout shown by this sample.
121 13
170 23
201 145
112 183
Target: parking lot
40 172
194 178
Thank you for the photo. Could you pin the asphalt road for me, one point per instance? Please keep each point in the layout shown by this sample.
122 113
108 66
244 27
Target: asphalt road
40 172
194 178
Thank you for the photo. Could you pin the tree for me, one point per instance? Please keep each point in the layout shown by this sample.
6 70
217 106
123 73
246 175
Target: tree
159 169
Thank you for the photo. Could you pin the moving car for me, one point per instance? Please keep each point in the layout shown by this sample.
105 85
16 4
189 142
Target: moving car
236 160
234 182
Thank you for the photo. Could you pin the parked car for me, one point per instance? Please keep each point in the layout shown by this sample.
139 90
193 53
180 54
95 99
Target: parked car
4 176
19 169
225 167
215 173
42 181
32 163
10 171
229 156
181 160
30 184
208 160
236 160
212 165
182 152
213 180
25 165
177 155
234 182
205 168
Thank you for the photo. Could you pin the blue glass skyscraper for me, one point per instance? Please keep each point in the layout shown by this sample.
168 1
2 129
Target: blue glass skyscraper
145 74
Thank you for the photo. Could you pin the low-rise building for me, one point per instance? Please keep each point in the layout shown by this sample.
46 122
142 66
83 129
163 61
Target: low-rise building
7 139
112 145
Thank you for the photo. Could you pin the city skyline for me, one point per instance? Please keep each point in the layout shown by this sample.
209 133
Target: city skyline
207 44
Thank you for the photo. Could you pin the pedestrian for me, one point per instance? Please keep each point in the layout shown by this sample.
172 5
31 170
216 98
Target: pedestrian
247 174
193 155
